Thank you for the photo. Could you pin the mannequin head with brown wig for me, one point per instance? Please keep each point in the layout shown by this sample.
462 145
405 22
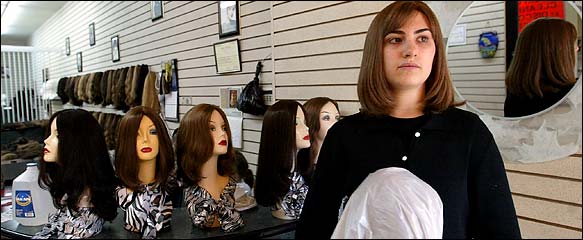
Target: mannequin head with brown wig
144 152
283 133
204 134
77 164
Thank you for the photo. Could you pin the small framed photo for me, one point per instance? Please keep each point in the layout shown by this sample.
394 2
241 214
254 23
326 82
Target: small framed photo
67 47
228 18
91 34
227 56
157 9
79 62
115 48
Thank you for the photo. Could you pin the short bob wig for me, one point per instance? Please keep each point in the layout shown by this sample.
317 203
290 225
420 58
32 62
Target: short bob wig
194 144
535 69
126 160
83 163
277 152
373 88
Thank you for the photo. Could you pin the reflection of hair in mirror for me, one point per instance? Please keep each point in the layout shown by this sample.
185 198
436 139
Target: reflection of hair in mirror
277 152
542 70
194 144
83 164
307 157
126 160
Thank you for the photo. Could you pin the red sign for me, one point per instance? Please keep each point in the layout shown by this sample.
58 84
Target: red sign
528 11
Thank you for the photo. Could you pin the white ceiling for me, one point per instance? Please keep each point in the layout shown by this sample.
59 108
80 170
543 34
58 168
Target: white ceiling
21 18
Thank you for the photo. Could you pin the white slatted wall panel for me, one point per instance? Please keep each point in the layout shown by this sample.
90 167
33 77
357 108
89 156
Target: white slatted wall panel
481 80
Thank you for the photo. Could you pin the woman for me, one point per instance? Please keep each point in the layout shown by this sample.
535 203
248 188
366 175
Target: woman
145 165
278 183
77 171
205 164
542 71
408 119
321 114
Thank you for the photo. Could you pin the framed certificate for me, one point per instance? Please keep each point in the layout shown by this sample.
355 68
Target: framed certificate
227 56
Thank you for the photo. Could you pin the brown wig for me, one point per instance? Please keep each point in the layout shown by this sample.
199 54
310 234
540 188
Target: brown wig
126 160
82 163
373 88
544 59
277 152
194 144
313 108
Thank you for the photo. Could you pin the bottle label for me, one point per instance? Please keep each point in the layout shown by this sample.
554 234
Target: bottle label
23 206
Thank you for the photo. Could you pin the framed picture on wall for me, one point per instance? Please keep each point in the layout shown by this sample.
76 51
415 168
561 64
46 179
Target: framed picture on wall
227 56
169 89
115 48
91 34
67 47
228 18
157 9
79 62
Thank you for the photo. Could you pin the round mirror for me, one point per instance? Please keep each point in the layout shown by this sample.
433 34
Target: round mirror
480 50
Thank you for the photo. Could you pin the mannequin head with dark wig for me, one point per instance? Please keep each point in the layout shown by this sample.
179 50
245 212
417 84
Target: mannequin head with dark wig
283 133
76 163
142 129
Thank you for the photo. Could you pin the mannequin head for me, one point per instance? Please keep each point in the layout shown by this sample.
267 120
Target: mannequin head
143 137
321 114
278 150
82 164
302 131
204 132
51 150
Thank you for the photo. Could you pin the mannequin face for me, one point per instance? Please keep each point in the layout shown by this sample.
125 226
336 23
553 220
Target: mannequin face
218 130
328 116
147 140
302 131
51 144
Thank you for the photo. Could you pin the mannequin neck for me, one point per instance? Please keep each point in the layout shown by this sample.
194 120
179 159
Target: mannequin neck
209 170
147 172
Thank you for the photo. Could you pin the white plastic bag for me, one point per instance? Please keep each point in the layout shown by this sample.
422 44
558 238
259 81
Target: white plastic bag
392 203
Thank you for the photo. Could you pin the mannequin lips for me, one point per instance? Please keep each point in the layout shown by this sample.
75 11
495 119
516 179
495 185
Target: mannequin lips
307 137
46 150
146 149
223 142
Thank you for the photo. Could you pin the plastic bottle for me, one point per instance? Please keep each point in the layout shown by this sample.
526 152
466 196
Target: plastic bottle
31 205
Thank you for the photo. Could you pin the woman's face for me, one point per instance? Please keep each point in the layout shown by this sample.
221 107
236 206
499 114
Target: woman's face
302 131
219 135
147 144
52 144
408 54
328 116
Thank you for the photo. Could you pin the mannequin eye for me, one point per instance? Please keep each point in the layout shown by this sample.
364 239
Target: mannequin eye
326 118
337 117
224 128
153 132
213 128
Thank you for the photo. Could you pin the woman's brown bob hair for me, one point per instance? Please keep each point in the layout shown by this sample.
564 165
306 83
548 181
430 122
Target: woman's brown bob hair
374 89
544 59
194 144
126 160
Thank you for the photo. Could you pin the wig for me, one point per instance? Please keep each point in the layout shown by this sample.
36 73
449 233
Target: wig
194 144
313 108
83 163
277 152
126 160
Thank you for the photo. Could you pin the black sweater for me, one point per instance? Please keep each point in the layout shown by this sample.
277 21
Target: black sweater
453 152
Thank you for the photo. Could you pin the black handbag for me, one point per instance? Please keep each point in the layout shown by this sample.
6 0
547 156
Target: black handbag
251 98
